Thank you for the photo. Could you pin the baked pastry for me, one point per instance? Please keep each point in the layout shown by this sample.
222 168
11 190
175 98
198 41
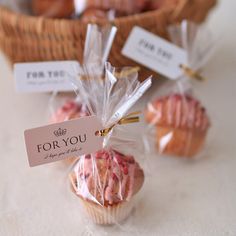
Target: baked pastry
106 182
123 6
91 10
70 110
53 8
93 14
157 4
181 124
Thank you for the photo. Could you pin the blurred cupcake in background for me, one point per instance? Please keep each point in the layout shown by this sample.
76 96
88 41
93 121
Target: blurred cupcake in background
181 124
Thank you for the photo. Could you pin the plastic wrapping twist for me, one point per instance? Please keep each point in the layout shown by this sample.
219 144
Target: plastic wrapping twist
199 43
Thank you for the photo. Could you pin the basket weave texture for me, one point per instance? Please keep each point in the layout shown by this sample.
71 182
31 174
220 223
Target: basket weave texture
26 38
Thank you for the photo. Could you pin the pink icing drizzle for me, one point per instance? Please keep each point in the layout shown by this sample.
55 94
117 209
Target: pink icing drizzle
118 182
180 111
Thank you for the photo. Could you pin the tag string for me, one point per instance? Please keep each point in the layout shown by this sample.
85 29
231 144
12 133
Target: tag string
192 73
130 118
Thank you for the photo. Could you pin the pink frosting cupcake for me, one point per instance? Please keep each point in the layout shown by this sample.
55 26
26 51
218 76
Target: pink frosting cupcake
106 183
181 124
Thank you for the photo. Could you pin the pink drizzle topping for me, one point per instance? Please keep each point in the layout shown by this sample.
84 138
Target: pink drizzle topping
179 111
107 177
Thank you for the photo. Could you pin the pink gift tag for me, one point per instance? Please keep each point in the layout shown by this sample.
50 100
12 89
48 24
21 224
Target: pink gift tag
62 140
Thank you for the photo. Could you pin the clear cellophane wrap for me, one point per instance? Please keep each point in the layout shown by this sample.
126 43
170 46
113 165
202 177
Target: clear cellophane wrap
198 41
177 120
107 182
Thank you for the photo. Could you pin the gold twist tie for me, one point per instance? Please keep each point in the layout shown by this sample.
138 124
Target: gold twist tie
192 73
130 118
126 73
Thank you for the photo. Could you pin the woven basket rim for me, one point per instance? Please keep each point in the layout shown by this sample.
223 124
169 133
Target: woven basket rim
24 37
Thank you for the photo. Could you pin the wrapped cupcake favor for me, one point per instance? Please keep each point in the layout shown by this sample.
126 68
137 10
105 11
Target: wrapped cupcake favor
177 121
107 181
93 129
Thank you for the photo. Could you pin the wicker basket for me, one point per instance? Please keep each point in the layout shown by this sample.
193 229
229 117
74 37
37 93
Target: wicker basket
26 38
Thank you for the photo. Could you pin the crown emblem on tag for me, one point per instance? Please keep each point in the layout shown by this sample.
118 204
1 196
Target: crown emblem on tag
60 132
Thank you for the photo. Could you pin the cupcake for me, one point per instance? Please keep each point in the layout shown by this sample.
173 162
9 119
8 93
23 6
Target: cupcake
106 183
53 8
70 110
181 124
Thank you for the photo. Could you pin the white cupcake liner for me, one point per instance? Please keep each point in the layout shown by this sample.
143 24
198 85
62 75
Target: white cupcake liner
107 215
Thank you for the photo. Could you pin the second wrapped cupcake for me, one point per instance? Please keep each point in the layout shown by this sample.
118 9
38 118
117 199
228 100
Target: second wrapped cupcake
179 121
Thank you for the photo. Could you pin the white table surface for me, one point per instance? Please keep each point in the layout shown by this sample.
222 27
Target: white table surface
179 199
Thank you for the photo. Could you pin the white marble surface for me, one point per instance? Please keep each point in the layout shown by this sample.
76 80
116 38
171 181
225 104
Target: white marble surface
180 199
